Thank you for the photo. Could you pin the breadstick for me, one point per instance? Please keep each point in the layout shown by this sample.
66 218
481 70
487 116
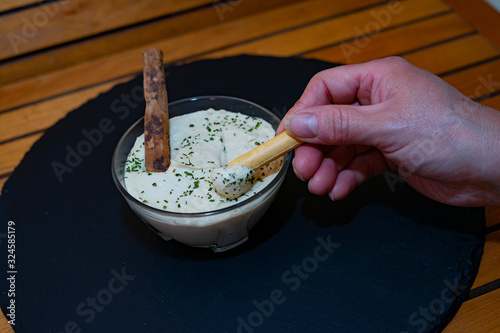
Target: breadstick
267 152
156 119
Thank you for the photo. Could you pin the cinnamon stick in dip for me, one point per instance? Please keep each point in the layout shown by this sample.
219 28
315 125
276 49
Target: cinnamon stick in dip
156 119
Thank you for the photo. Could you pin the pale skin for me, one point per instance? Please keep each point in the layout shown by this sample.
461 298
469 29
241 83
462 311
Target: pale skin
359 121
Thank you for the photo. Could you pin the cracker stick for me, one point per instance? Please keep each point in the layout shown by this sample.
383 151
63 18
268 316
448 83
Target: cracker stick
267 152
156 120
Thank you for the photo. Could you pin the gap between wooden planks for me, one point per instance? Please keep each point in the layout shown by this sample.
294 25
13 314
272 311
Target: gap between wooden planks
478 315
131 38
13 152
443 58
188 45
13 4
59 22
460 64
474 82
478 82
423 33
333 31
484 17
493 102
479 326
490 262
475 48
40 116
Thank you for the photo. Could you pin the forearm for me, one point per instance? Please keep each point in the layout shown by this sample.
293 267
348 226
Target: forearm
486 157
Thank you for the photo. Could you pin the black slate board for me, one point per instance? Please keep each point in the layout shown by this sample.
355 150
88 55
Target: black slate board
384 260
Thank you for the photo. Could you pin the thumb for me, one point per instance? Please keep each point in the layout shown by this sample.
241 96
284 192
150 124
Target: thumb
336 124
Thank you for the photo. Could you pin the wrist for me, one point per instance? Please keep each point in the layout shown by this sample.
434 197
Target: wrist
486 151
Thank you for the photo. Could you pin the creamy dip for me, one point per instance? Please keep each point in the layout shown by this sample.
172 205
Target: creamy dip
232 181
200 142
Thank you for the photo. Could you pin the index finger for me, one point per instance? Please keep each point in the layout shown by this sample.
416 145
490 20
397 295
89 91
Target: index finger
350 84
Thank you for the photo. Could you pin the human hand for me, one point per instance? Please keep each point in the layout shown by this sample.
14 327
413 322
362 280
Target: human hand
359 121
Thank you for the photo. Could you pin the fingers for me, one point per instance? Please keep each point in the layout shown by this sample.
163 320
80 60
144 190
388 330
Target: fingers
307 160
350 84
334 161
362 168
339 85
339 170
352 109
367 83
339 124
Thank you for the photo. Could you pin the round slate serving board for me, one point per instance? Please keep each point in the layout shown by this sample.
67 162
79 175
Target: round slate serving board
384 260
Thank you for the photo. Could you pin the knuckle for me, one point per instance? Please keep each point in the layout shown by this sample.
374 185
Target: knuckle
334 126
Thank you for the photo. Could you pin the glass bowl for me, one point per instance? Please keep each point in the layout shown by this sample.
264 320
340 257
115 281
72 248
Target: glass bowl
221 229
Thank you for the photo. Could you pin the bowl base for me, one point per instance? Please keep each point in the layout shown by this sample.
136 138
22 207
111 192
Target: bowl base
216 249
165 236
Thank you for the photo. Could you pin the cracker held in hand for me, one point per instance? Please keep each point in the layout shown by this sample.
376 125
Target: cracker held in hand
156 120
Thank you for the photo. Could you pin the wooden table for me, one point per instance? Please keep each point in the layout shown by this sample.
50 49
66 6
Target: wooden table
56 56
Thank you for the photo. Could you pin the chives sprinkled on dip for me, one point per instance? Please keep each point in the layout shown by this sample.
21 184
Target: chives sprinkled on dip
201 142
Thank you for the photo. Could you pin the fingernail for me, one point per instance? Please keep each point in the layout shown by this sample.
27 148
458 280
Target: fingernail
304 125
298 174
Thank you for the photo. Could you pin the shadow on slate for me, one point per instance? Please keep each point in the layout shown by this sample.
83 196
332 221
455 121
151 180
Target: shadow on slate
380 261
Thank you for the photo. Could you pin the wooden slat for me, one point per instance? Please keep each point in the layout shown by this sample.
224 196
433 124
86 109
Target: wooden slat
2 182
488 269
63 21
421 34
479 315
484 17
4 325
493 102
42 115
179 47
492 215
13 152
477 81
119 41
453 55
13 4
38 117
334 31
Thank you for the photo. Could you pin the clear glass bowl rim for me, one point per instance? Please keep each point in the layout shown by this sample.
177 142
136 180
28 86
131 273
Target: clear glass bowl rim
264 191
